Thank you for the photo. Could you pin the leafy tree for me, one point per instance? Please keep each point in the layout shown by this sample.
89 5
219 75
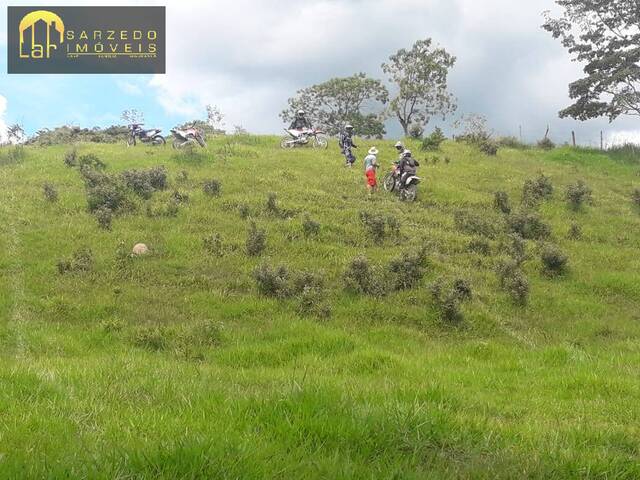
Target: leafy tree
16 133
215 118
342 100
605 36
132 116
420 76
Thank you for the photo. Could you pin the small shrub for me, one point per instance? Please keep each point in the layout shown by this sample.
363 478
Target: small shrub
434 140
244 211
50 193
213 245
528 225
449 303
272 282
407 270
517 248
514 282
71 158
256 240
501 202
212 187
474 224
81 261
546 144
361 278
151 338
635 197
534 191
92 161
158 177
512 142
577 194
462 289
480 246
489 147
180 197
575 232
554 261
312 302
108 195
393 227
374 224
104 217
139 182
310 227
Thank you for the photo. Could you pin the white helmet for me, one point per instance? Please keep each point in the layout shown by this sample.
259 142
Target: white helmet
348 126
406 153
373 151
300 112
399 145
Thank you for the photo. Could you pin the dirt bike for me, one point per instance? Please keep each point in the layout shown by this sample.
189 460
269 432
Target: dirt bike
316 136
187 136
152 136
392 183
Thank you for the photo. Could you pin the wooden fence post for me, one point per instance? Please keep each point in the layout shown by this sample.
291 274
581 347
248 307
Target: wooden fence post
573 138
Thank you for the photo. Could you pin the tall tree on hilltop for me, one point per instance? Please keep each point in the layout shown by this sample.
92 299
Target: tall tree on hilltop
605 36
338 101
420 76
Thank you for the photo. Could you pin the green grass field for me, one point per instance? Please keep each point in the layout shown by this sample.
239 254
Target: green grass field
176 367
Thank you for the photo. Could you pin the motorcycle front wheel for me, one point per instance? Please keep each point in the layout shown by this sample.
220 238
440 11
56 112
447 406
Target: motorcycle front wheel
131 141
158 140
320 141
410 193
389 182
177 143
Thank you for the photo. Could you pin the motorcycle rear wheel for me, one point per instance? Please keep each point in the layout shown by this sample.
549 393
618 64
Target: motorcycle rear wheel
177 143
287 142
409 193
158 140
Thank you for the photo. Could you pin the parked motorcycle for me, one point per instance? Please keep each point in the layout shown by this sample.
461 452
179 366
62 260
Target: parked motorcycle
181 138
407 192
152 136
316 136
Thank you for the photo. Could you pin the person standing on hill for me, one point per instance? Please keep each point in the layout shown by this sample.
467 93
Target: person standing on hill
370 167
346 144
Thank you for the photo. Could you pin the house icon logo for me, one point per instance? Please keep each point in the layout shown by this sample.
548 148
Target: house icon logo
40 32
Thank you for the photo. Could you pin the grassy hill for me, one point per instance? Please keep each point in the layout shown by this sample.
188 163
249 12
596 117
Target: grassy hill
175 365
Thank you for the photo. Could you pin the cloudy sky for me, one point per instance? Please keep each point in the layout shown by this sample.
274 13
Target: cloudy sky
249 56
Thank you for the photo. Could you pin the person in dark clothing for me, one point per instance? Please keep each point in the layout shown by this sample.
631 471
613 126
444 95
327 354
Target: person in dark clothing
299 124
408 166
346 145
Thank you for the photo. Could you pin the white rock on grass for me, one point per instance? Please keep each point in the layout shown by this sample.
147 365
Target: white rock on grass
140 249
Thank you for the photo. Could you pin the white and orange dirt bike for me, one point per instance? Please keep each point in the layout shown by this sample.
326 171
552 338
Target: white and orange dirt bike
187 136
299 138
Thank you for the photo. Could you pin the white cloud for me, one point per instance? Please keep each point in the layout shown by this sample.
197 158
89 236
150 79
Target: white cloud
129 88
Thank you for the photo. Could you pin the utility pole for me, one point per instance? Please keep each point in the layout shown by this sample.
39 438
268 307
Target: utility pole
573 138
